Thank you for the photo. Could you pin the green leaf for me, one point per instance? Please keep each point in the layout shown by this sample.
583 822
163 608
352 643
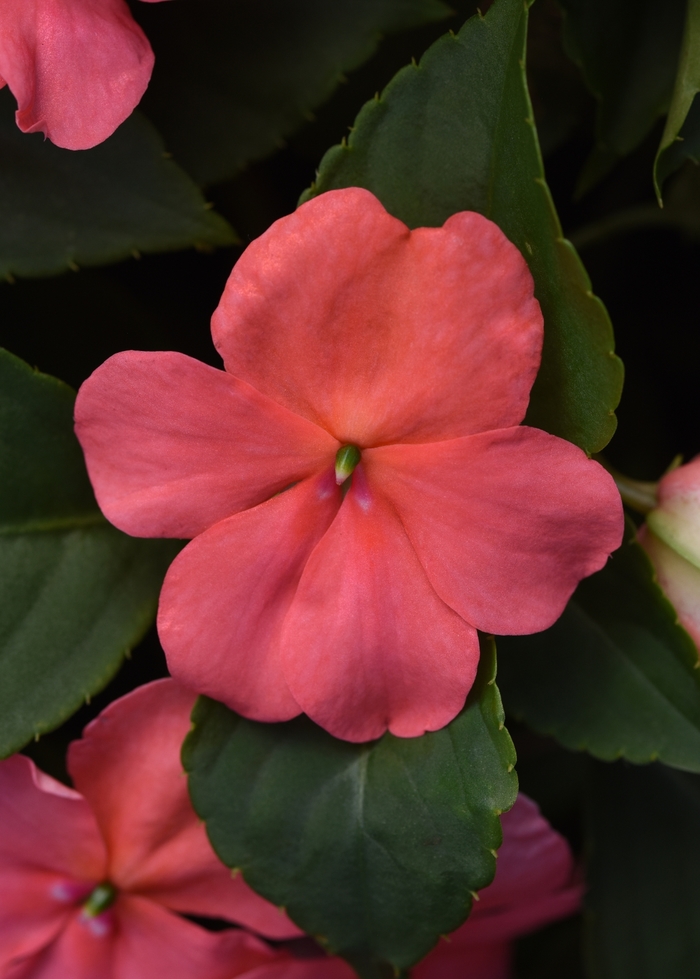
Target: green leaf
628 50
60 209
75 593
233 78
680 141
616 675
643 873
456 133
373 848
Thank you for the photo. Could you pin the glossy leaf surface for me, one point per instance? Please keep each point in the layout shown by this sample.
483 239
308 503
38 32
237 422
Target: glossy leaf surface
456 133
75 594
60 209
374 848
643 873
628 50
616 675
233 78
681 136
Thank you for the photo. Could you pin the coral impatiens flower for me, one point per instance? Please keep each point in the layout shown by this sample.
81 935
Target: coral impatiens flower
77 68
90 880
360 491
536 883
671 537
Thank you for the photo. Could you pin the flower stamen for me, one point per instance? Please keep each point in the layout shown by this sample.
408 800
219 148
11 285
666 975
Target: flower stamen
101 898
346 459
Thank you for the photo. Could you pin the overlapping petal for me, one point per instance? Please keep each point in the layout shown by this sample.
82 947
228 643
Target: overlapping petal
380 334
45 826
451 960
30 915
226 596
154 942
536 879
173 446
506 523
367 643
287 967
536 882
78 952
76 67
128 766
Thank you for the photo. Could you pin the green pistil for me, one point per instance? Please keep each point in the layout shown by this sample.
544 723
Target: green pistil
345 461
102 898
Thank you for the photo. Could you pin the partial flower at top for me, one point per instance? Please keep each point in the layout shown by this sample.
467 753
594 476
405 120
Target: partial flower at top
671 537
91 880
360 491
77 68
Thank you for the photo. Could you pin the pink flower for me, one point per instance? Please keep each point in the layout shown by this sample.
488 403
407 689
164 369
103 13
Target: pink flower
90 879
77 68
351 345
536 882
671 537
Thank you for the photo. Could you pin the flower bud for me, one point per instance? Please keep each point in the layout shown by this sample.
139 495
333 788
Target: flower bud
671 538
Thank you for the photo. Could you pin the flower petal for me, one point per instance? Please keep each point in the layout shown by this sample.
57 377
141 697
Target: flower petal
50 855
451 960
77 68
30 917
128 764
173 446
679 579
380 334
226 595
78 952
367 644
321 967
506 523
44 830
155 942
536 882
536 879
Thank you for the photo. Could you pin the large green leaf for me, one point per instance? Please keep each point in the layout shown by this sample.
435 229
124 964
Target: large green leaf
456 133
61 209
616 675
75 594
681 136
643 873
233 77
628 50
373 848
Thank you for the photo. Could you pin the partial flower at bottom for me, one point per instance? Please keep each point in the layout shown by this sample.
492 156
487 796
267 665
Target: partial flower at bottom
94 882
537 882
361 493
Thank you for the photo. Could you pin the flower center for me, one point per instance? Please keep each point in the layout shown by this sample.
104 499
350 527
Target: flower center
101 898
347 457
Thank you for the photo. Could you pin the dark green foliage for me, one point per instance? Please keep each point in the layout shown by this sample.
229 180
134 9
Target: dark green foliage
233 77
60 209
643 872
75 593
628 50
616 675
372 848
